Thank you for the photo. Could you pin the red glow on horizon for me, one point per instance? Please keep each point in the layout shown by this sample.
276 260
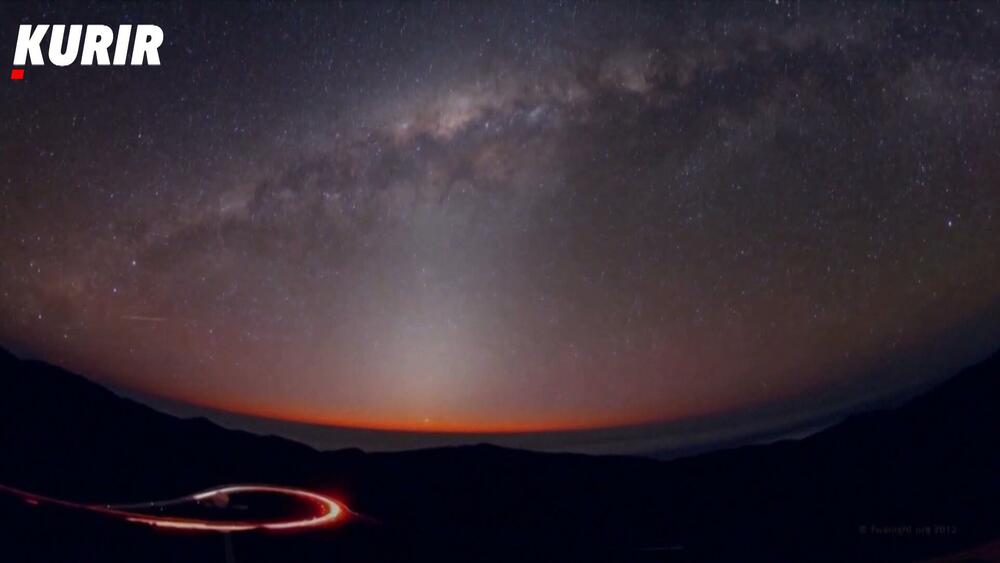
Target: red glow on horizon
455 426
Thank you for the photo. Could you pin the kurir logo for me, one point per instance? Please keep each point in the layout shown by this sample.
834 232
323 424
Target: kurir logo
65 48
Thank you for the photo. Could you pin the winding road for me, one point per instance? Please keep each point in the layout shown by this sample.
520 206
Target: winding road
322 510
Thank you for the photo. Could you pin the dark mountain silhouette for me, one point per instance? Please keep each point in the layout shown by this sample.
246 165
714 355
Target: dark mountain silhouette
915 482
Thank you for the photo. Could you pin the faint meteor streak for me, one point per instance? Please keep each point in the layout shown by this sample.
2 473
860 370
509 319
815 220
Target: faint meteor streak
144 318
327 512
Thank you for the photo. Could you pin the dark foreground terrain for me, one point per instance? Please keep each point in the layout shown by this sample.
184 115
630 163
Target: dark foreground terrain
915 483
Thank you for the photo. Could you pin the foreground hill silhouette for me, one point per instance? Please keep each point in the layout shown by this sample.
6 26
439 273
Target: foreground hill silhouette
919 481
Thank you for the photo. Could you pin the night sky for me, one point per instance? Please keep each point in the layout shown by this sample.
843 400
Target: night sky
510 217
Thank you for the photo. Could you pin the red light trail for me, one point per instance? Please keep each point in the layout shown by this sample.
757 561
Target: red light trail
328 511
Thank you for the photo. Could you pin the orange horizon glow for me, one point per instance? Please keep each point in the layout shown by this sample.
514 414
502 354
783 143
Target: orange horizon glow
410 424
431 426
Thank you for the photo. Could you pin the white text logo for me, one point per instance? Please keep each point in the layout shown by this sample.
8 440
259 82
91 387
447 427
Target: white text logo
86 44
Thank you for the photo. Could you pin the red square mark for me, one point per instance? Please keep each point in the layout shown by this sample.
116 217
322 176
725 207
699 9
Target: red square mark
17 74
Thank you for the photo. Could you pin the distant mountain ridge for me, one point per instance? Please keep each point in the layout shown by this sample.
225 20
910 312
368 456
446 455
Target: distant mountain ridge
934 461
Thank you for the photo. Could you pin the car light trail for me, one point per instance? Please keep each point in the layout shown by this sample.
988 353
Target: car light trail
327 510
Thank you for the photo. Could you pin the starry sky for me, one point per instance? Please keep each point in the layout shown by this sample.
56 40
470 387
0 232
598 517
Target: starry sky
510 217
